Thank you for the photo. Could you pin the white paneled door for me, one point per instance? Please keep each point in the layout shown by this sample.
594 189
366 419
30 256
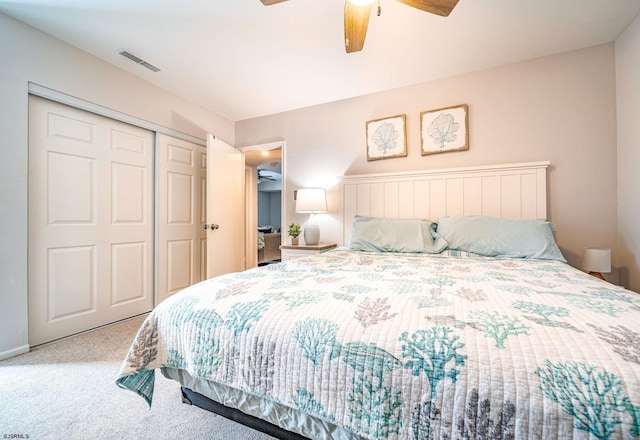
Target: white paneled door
225 208
182 244
91 231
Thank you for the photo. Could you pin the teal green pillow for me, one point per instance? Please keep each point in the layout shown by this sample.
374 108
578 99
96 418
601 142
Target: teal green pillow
501 237
379 234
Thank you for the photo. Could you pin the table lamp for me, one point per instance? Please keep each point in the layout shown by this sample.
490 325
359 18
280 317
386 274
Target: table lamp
596 261
311 200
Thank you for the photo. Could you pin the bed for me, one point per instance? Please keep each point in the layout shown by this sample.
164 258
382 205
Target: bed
475 329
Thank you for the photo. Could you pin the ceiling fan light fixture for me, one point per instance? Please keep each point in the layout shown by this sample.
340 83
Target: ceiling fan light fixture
357 13
361 2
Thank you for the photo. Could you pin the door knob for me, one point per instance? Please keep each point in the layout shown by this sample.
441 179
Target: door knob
212 226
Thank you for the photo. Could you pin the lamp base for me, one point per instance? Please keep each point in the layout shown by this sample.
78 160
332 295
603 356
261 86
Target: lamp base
597 275
311 233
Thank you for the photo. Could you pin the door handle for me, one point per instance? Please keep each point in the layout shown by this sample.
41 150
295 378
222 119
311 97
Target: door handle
211 226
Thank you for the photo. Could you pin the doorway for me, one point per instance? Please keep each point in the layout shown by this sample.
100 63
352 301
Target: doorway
265 205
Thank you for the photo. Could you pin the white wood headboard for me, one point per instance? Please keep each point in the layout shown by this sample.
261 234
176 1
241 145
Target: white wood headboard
513 190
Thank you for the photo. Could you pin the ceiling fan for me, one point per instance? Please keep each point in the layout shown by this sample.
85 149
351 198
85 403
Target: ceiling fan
357 12
265 175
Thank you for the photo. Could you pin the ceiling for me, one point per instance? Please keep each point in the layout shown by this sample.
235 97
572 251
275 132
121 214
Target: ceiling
242 60
264 159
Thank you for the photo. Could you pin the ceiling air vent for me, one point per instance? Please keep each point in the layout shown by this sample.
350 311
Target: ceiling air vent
138 60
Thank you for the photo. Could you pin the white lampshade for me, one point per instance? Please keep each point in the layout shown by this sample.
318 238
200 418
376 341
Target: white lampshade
311 200
597 260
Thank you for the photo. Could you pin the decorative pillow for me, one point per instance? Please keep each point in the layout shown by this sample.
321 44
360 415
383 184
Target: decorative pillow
493 236
394 235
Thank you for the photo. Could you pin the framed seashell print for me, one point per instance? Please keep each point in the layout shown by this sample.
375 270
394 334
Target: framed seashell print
387 137
444 129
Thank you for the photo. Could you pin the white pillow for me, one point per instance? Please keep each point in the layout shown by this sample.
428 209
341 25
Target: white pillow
493 236
394 235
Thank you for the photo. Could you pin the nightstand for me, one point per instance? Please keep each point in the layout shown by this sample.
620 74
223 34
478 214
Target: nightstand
290 252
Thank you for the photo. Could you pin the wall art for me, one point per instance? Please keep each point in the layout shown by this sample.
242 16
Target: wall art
445 129
387 138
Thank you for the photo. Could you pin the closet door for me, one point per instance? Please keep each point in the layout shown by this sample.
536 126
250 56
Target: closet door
182 189
90 220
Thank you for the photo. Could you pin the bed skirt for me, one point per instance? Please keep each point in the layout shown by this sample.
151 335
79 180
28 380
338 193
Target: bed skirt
257 413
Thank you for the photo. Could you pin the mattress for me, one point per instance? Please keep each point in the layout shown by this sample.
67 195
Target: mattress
402 346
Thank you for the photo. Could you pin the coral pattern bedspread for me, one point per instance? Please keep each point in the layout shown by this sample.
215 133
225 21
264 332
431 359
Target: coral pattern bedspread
411 346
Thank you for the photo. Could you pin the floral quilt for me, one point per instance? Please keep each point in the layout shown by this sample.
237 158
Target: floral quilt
411 346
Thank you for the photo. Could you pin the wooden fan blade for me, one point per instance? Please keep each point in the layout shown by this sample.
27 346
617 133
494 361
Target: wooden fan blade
438 7
271 2
356 21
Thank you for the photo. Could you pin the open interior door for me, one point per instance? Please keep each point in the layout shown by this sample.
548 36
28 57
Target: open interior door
225 208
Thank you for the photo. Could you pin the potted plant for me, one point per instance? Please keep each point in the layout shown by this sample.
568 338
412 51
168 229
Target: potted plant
294 231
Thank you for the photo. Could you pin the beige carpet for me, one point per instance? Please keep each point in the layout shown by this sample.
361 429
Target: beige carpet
66 390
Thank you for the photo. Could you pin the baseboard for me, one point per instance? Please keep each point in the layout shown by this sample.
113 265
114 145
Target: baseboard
15 352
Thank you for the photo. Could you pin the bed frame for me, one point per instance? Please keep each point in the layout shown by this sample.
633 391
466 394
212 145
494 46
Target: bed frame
512 191
192 398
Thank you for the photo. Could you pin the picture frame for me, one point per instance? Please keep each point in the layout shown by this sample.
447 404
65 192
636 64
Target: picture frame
387 137
444 129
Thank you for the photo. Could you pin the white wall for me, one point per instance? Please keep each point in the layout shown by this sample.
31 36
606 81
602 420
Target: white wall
628 111
270 208
276 209
28 55
264 208
560 108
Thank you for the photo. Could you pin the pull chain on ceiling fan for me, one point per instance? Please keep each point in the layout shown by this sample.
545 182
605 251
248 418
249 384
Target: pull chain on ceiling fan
357 13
